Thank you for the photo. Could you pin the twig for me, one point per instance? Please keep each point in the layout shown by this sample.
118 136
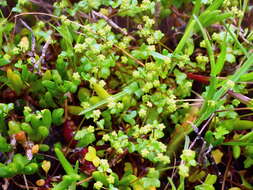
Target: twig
226 173
37 65
84 180
33 41
129 55
34 13
30 29
23 186
199 132
110 22
26 184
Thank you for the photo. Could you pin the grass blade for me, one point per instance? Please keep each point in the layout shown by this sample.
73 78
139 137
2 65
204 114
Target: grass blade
222 57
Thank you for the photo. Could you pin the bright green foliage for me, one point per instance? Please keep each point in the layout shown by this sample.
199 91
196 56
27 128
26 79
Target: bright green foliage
208 183
4 146
152 179
19 165
85 136
116 75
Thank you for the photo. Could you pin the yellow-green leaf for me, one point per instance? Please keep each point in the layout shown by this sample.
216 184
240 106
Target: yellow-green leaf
15 80
92 157
217 155
46 165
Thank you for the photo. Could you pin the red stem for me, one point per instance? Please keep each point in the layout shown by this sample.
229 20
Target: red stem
200 78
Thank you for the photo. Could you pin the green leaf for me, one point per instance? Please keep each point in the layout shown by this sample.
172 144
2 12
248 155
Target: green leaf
129 118
57 116
46 117
91 156
150 182
4 146
86 139
221 57
64 162
100 176
3 61
127 180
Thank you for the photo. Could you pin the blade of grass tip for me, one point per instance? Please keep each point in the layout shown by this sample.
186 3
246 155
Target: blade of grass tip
236 40
244 8
246 77
187 34
217 18
215 5
64 162
222 57
189 29
196 8
208 15
208 45
127 90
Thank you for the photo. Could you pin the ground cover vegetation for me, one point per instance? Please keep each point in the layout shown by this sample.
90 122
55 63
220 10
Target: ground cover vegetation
126 94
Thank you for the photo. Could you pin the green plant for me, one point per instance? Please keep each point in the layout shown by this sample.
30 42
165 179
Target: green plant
122 84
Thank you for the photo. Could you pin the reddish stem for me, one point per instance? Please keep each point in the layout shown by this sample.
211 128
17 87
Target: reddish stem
200 78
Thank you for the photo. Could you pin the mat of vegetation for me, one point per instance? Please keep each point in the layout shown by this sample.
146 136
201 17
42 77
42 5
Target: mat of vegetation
126 94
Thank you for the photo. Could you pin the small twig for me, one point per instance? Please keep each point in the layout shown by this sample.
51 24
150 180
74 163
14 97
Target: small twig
129 55
23 186
34 13
199 132
37 65
84 180
26 184
226 173
110 22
